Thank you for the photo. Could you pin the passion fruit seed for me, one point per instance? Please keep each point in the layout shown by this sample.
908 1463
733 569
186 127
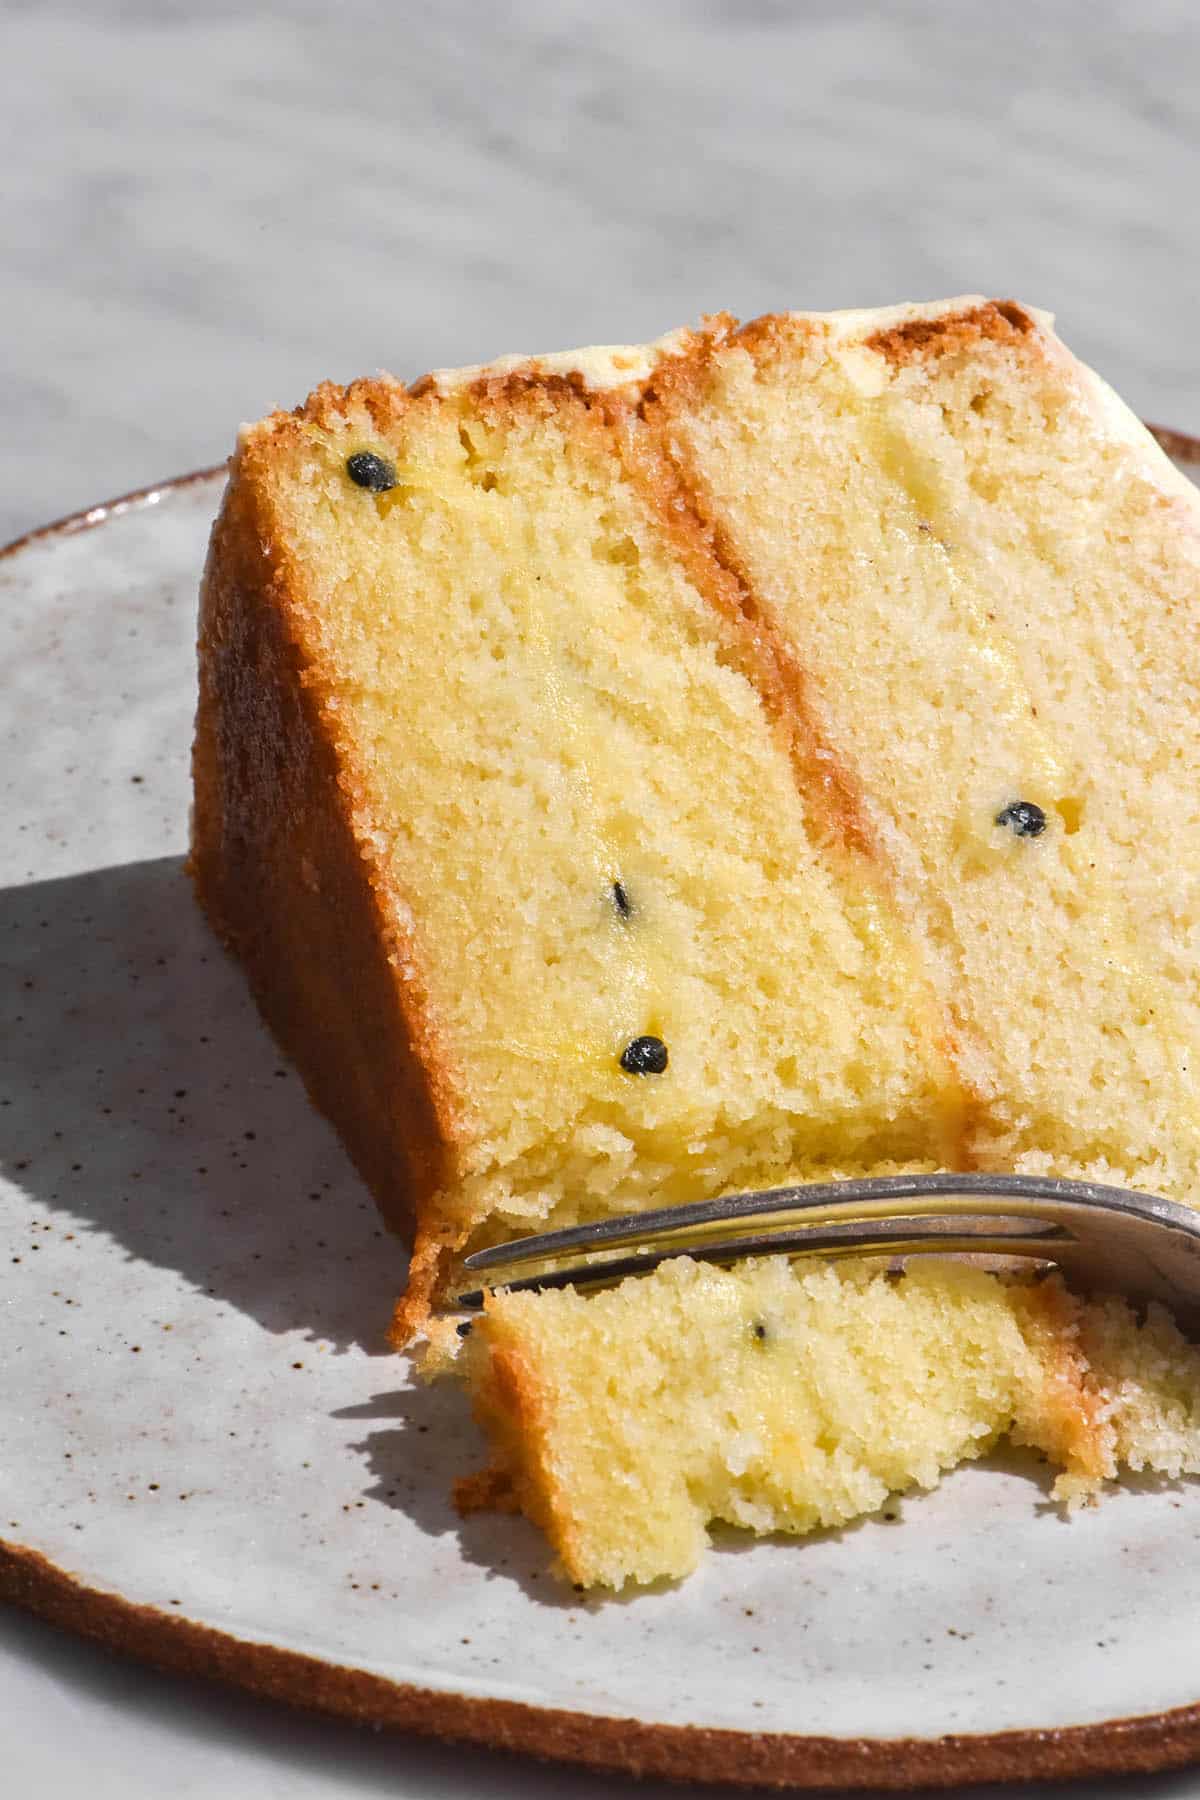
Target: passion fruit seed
1023 817
463 1327
644 1056
621 900
371 471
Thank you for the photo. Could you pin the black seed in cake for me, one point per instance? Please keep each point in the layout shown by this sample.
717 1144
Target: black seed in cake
621 900
644 1056
371 471
1024 818
760 1330
464 1327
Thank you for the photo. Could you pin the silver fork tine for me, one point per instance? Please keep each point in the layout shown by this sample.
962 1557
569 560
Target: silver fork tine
918 1235
1103 1237
860 1197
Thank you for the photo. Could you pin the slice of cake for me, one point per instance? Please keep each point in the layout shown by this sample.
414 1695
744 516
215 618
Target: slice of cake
764 755
777 1398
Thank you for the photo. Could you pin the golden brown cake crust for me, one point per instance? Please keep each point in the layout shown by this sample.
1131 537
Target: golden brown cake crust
277 869
512 1404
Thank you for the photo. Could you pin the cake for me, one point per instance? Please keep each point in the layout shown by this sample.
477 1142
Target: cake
764 755
778 1397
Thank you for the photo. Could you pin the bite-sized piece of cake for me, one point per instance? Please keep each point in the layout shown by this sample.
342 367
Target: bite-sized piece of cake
629 776
779 1397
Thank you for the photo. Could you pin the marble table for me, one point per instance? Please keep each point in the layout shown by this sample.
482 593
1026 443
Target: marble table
208 208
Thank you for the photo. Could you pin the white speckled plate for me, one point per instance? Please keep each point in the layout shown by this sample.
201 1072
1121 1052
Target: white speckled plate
211 1460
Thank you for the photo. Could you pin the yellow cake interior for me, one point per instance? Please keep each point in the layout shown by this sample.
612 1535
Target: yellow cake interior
782 1398
590 825
991 603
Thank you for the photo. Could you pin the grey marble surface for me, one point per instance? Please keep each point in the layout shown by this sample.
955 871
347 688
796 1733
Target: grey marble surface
206 209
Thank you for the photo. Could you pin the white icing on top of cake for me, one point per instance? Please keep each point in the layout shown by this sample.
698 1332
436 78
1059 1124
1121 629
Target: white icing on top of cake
607 366
600 365
1116 421
616 365
855 322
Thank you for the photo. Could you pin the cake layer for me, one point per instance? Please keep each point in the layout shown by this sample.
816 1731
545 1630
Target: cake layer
771 1398
900 573
1086 542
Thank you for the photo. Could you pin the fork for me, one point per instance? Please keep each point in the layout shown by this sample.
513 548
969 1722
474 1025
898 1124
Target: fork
1109 1239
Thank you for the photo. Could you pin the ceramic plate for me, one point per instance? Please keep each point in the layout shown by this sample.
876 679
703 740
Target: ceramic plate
210 1459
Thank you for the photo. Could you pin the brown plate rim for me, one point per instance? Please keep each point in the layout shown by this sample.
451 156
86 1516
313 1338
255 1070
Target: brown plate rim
107 510
1144 1744
1178 444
